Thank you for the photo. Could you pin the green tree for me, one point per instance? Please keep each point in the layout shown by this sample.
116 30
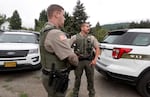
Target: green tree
145 24
41 21
15 21
142 24
98 26
2 19
134 25
68 24
79 16
98 32
43 16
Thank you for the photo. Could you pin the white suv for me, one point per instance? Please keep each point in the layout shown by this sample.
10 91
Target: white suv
19 50
126 56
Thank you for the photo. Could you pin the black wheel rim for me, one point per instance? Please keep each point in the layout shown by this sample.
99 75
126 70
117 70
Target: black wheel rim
148 87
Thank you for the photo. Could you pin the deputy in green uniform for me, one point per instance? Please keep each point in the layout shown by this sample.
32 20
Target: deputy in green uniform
56 52
84 44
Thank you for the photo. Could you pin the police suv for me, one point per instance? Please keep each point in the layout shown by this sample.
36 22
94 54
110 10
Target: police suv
19 50
126 56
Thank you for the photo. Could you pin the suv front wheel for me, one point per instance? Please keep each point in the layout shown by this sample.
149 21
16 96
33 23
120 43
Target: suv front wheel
143 85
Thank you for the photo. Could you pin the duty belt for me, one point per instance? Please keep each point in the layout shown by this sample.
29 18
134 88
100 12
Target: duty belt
84 58
49 72
46 72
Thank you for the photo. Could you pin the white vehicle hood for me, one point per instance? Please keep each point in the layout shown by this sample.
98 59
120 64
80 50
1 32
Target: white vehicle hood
18 46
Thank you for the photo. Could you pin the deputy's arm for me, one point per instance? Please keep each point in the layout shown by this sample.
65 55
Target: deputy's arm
73 59
97 51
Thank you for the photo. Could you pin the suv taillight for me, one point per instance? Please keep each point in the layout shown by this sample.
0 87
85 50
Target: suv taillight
118 52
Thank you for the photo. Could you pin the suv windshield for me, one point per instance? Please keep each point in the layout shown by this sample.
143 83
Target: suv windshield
127 38
18 38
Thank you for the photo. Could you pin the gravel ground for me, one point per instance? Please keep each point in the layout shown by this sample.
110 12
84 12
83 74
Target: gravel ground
25 84
21 84
28 84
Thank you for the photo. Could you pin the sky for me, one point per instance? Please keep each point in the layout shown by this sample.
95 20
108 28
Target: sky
102 11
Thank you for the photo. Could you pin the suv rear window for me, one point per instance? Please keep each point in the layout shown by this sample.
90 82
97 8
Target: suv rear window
127 38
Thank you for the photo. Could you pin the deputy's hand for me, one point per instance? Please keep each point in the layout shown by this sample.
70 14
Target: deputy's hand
73 60
93 63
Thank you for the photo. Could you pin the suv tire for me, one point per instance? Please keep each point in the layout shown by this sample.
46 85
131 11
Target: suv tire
143 85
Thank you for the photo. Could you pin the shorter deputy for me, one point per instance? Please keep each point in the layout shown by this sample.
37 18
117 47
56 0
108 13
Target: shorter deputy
87 49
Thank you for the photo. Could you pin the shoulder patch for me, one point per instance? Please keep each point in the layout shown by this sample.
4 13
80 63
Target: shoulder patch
62 37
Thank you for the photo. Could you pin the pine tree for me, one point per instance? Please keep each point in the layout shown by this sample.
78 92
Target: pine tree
15 21
68 24
43 16
98 32
42 20
79 16
142 24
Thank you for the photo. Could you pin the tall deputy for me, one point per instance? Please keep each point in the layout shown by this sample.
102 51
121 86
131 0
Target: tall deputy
56 52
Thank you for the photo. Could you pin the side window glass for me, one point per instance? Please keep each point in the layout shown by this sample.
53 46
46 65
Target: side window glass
142 39
110 39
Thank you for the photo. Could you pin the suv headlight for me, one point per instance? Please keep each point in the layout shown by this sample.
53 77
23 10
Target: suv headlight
33 51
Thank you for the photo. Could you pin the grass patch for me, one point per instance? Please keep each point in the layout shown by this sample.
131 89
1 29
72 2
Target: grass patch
9 88
5 86
37 77
23 95
8 79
